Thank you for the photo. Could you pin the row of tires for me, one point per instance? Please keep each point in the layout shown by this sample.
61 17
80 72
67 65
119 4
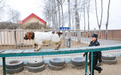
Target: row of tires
16 66
109 59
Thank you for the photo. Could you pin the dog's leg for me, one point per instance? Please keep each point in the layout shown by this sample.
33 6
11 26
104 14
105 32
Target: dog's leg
34 45
58 45
39 47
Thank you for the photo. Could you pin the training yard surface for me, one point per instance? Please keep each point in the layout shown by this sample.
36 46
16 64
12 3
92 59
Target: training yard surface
114 69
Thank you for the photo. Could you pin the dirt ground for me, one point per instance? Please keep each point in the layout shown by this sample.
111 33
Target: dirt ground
108 69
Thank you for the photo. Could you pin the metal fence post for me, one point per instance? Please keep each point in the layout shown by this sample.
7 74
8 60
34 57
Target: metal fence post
4 66
92 63
86 64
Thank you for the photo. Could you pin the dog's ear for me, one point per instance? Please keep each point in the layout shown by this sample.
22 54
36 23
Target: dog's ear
30 35
59 33
53 32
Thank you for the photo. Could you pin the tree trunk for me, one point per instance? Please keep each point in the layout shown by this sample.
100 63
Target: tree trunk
61 4
62 13
106 33
59 23
108 10
99 23
77 21
99 32
84 20
88 16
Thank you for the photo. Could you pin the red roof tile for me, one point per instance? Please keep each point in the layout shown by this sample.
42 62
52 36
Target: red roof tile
35 17
19 22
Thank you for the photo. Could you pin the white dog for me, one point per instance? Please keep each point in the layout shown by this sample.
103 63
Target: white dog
41 38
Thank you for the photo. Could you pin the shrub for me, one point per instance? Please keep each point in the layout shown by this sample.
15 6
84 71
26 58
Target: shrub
32 26
9 25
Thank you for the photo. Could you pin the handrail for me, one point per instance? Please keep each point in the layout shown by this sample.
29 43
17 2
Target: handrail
28 52
31 52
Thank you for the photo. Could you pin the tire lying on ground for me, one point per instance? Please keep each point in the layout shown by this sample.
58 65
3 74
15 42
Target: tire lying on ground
36 69
35 63
12 71
57 61
78 67
78 61
108 57
109 61
52 67
14 64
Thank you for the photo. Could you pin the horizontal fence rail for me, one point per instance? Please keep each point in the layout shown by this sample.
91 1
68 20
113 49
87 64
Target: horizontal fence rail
20 53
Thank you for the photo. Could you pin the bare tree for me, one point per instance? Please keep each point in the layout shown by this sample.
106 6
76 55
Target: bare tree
2 5
69 16
14 15
54 14
108 10
59 16
88 16
84 7
77 21
51 11
61 4
48 12
99 22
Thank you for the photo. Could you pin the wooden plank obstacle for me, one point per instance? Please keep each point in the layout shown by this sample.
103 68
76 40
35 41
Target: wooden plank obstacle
42 52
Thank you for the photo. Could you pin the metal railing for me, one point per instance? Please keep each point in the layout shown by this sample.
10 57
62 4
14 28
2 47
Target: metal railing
20 53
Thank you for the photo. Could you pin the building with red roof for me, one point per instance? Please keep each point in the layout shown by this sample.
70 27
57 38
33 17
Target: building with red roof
32 18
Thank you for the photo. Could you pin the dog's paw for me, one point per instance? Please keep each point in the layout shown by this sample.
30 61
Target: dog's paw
56 48
36 50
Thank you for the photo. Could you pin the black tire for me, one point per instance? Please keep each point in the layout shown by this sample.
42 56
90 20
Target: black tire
78 61
109 61
35 63
12 71
108 57
14 64
57 61
52 67
78 67
36 69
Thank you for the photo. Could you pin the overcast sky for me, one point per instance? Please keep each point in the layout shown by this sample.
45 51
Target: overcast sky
26 7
